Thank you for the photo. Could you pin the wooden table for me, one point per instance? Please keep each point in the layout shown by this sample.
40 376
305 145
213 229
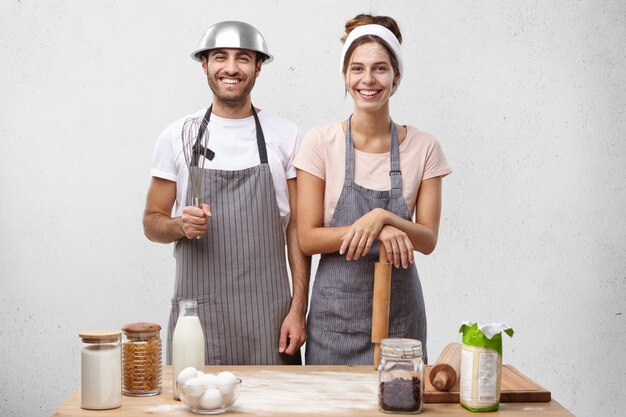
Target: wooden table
297 391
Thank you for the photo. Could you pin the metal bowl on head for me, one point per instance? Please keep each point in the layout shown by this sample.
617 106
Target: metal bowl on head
232 34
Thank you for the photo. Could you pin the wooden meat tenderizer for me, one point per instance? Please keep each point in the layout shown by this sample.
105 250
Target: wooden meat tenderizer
447 368
380 303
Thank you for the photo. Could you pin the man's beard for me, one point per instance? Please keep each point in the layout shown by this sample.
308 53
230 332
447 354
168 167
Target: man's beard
230 101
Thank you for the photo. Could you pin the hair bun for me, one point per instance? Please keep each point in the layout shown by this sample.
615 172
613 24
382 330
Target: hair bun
367 19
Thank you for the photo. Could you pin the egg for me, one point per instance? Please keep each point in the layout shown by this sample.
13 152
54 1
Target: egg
194 387
229 398
210 380
191 402
211 399
186 374
226 382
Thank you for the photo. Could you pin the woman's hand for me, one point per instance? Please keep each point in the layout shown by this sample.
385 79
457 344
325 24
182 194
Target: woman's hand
362 234
398 246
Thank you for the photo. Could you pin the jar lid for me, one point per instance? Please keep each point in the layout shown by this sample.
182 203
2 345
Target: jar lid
141 327
100 336
401 348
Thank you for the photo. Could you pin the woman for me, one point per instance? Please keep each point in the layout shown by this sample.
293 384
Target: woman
359 183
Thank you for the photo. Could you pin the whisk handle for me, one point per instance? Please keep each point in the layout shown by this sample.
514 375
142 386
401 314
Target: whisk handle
196 203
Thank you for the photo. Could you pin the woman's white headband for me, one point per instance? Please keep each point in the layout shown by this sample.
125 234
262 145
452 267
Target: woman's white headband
377 30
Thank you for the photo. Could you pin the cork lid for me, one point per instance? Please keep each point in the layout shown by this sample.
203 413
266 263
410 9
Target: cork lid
141 327
100 336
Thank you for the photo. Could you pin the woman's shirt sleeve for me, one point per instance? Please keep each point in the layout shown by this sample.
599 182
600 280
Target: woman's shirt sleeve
436 164
312 155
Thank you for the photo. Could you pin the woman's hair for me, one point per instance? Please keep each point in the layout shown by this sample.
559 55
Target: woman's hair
366 19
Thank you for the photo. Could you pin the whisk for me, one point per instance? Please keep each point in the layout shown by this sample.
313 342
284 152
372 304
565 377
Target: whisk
195 136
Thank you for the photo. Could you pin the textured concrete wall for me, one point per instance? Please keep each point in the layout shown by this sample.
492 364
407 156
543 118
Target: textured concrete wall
527 98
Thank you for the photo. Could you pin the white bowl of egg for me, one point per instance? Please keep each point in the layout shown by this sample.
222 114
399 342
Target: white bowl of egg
207 393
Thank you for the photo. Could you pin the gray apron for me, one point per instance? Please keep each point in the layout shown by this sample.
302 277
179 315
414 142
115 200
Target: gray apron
340 319
237 271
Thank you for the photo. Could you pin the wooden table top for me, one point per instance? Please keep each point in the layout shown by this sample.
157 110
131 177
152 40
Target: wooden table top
296 391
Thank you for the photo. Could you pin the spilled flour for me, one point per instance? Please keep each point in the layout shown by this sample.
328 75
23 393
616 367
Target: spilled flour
165 408
266 392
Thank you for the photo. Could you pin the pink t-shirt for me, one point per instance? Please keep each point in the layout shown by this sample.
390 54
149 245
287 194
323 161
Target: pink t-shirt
323 154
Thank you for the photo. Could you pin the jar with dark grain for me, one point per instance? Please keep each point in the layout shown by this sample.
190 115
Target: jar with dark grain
401 376
141 359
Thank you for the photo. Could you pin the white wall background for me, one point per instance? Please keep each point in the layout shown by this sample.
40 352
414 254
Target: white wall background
528 99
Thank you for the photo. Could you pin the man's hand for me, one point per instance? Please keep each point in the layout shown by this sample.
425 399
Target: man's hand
293 330
195 220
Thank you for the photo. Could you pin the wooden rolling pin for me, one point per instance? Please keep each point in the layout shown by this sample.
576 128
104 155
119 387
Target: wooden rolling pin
380 303
447 369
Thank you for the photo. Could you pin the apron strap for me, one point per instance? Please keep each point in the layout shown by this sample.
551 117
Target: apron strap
260 138
394 172
349 175
198 149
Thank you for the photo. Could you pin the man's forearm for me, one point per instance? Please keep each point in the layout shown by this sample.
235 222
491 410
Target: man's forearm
300 266
163 229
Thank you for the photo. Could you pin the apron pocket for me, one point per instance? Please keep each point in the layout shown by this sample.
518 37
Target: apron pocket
345 310
203 299
403 308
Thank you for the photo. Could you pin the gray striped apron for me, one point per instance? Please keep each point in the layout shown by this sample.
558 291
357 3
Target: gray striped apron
237 271
340 318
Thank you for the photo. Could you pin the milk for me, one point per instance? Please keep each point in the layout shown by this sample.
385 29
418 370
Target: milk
187 347
101 377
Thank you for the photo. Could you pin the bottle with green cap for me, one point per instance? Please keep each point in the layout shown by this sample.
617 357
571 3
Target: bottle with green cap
481 365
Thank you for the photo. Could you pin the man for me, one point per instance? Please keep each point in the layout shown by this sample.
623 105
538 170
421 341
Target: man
236 270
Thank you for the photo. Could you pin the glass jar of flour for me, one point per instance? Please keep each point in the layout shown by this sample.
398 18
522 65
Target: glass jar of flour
400 376
100 370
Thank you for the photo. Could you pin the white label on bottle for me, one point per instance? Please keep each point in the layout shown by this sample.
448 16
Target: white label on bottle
487 377
467 369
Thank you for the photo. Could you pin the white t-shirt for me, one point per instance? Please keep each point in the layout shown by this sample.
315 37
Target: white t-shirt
235 147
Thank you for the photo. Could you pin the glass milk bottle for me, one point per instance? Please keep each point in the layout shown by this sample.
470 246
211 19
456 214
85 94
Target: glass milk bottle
187 342
100 370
